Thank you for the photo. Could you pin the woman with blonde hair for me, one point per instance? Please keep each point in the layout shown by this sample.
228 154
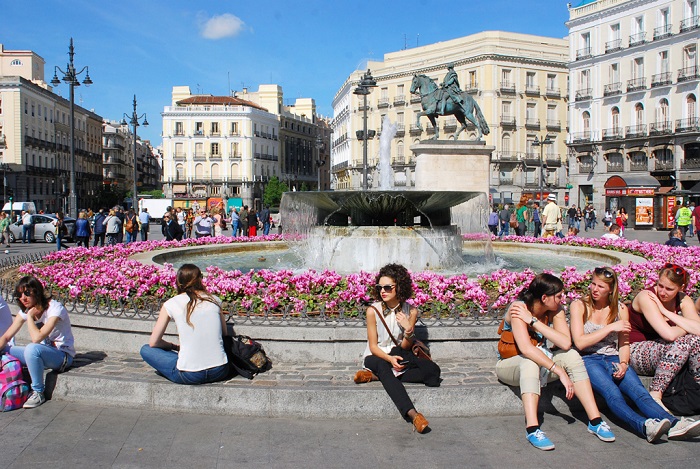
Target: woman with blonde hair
114 227
600 329
200 356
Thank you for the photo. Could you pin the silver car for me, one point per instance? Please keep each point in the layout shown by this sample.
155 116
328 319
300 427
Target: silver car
44 229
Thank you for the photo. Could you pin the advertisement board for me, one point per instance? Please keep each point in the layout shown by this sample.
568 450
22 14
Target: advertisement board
644 211
670 211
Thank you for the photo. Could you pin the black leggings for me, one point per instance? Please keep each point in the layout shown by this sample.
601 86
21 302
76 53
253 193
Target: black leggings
418 370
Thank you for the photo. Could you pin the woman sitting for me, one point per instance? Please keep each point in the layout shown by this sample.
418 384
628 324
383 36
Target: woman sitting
390 337
600 328
200 357
665 330
538 316
50 331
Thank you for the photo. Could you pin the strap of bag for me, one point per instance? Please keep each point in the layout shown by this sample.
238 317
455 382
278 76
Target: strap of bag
384 322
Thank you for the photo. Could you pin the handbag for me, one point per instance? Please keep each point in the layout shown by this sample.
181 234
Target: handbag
507 347
419 349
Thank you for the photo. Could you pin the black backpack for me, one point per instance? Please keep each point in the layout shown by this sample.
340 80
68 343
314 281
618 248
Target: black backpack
245 356
682 396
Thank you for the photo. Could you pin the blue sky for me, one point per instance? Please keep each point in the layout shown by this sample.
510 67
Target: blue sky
308 47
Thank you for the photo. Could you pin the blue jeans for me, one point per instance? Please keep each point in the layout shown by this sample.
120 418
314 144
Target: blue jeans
266 228
37 357
165 362
26 234
59 239
144 232
600 370
234 228
505 228
130 237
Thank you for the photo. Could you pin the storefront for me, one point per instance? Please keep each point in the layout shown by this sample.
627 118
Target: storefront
636 194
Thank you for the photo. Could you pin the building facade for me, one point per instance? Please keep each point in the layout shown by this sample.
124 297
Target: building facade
35 138
519 82
633 112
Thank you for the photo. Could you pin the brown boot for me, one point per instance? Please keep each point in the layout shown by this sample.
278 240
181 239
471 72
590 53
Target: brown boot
364 376
420 423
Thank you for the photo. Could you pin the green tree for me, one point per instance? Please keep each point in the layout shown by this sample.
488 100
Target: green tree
273 192
156 193
304 187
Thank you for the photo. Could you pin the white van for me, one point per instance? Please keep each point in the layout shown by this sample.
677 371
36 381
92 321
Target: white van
19 206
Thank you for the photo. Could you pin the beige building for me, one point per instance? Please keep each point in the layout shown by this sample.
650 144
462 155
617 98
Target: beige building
519 82
633 104
35 137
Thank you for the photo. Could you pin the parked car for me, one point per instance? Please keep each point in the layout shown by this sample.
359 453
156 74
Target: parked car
44 228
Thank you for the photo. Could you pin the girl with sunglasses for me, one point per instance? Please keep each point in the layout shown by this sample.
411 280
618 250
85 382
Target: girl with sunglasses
538 316
600 329
388 356
49 329
665 331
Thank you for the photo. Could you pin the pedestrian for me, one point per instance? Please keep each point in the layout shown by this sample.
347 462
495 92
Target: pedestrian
613 232
173 231
119 213
131 226
144 221
180 216
113 227
26 227
571 214
537 221
551 217
234 222
621 220
82 230
99 228
675 238
60 229
264 217
696 220
608 218
691 227
243 220
218 225
49 329
684 218
504 218
252 223
520 215
5 229
189 223
493 221
203 224
388 357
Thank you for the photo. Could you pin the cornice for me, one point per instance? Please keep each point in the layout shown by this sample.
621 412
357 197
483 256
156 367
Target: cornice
598 15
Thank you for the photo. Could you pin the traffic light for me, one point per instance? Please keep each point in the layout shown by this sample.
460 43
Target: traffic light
10 202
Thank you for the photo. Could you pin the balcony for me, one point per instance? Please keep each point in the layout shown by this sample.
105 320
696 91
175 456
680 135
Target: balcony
362 107
688 74
179 156
615 167
552 92
199 133
614 133
532 159
415 130
660 128
179 133
663 32
636 84
583 54
581 137
642 165
383 103
691 163
505 181
508 121
505 157
636 131
215 133
450 125
613 46
689 24
553 124
532 90
584 94
612 89
688 125
472 88
638 39
507 87
215 156
585 167
532 124
415 99
661 79
553 160
400 100
200 156
664 165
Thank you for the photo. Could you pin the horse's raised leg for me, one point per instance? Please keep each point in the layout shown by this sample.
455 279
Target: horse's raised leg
418 116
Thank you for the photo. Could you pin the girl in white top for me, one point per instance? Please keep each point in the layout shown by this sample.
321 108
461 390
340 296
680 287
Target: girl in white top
395 364
50 331
200 357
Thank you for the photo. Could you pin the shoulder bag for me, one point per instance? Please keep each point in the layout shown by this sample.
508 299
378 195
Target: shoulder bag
507 347
418 348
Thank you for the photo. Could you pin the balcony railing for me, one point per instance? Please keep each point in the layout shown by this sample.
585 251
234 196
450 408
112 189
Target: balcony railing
581 137
663 31
636 84
553 92
399 100
614 133
612 89
179 156
553 124
615 166
508 121
505 181
400 129
553 160
661 128
664 165
532 123
532 90
584 94
415 99
505 156
689 73
199 133
532 159
179 133
507 87
613 46
382 103
215 133
585 167
691 163
472 88
639 165
585 53
634 131
689 24
661 79
688 125
638 39
415 130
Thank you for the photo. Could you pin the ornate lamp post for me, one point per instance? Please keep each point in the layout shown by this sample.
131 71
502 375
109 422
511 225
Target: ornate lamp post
70 76
319 162
541 144
134 121
363 89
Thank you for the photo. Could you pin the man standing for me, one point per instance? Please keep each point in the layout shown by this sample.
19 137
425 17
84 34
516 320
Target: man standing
536 219
145 219
551 217
235 222
572 215
243 220
180 214
264 217
504 218
684 217
692 225
26 227
99 228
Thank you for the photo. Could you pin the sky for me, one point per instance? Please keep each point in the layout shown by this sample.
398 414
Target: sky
309 47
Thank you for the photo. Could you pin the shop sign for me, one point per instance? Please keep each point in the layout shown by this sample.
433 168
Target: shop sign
670 210
640 191
615 192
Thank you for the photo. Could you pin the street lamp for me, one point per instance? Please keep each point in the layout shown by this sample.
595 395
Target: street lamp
5 168
134 121
363 89
541 144
319 162
70 76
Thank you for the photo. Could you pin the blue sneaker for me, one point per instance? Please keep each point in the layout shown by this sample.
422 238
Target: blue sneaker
602 431
540 441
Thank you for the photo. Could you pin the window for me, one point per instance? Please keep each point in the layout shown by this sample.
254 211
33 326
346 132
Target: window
215 171
662 111
551 112
215 149
505 108
586 42
638 68
690 103
234 128
234 150
639 114
198 128
664 18
505 77
531 111
385 93
551 82
180 172
400 151
215 128
615 32
615 117
198 149
399 90
638 25
179 149
663 61
505 143
586 117
614 73
399 119
530 80
16 63
690 58
472 79
32 109
199 171
584 80
179 128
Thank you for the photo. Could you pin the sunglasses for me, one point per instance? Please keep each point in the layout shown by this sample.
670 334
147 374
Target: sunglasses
27 293
677 269
604 271
386 288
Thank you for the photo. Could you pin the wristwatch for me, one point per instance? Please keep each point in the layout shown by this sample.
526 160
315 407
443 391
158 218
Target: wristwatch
533 321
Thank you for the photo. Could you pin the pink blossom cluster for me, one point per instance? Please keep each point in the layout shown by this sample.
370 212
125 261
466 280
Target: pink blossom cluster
108 272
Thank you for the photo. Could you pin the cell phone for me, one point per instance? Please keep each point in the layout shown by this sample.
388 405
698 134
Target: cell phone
403 362
616 367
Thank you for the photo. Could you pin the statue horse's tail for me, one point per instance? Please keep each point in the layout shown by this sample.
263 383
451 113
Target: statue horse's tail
480 117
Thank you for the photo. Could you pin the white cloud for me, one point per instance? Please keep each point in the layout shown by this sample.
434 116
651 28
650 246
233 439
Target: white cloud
221 26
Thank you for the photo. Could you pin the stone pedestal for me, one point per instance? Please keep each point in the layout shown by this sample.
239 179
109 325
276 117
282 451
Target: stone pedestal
446 165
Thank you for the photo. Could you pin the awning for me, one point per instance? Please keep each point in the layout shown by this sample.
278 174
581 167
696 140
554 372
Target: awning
632 180
664 190
695 189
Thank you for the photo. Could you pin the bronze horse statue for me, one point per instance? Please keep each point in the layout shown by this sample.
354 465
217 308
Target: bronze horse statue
430 102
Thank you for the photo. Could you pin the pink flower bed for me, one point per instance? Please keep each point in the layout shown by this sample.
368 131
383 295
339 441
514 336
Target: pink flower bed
109 273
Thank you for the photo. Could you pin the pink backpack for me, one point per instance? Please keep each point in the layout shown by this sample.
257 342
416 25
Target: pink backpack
14 391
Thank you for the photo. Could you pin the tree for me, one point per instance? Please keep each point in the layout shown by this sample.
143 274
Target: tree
156 193
108 196
273 192
304 187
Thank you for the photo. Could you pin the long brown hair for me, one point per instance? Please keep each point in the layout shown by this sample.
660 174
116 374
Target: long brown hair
189 280
31 286
604 274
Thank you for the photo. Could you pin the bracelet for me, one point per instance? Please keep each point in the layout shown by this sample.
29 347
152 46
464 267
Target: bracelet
410 336
552 367
625 363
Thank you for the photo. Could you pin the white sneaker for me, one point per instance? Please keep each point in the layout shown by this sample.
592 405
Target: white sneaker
654 429
685 428
35 400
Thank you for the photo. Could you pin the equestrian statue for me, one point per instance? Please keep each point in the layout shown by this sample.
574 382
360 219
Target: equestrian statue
447 100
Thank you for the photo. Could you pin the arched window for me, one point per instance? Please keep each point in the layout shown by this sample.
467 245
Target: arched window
215 171
505 144
662 111
691 106
180 172
639 114
615 117
399 151
199 171
586 116
235 171
16 63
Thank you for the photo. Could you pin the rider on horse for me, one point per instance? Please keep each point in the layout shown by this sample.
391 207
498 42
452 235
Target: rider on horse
450 89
